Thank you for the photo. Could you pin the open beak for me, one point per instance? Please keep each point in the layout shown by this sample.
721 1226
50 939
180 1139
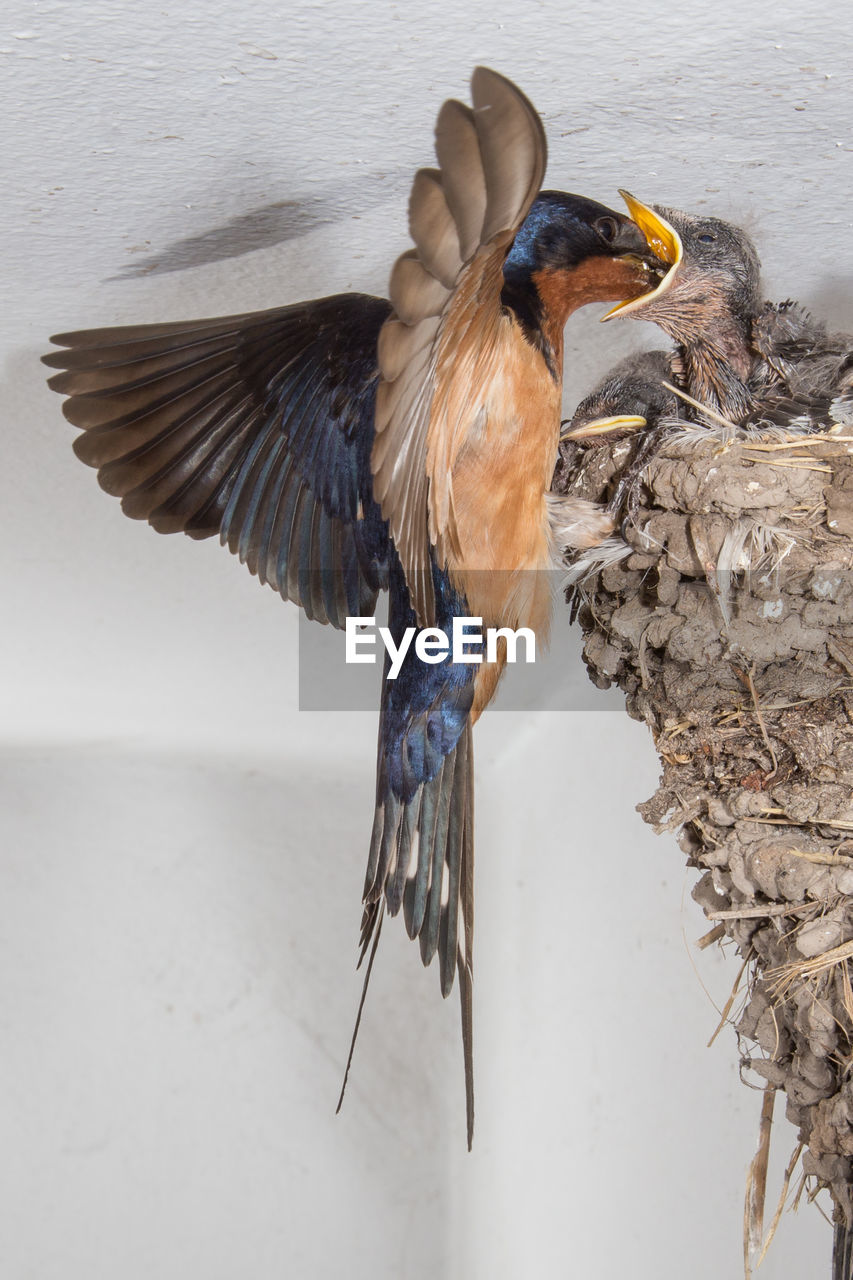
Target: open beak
663 240
603 426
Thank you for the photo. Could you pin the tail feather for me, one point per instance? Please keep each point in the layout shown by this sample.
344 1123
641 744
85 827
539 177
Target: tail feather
375 930
422 860
428 936
466 950
407 846
417 887
450 908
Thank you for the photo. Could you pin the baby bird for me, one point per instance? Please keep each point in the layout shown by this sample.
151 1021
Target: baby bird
737 360
739 365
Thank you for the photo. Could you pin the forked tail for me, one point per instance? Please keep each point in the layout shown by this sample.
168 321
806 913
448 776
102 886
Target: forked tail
422 859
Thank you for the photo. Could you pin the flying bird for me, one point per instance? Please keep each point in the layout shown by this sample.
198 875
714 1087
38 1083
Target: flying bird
350 445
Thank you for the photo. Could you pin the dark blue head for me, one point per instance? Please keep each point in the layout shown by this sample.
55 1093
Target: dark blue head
570 251
561 231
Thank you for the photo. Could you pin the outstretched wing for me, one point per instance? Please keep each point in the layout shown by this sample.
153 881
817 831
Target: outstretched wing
463 218
255 427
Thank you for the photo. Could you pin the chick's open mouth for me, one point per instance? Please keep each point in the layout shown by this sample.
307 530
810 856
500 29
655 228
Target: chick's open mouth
664 242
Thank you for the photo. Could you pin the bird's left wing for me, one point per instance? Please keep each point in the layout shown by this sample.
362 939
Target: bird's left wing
255 427
463 218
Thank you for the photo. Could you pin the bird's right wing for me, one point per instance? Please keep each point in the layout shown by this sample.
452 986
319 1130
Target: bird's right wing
786 334
816 369
463 218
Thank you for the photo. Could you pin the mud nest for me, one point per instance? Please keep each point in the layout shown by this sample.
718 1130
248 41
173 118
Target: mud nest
727 621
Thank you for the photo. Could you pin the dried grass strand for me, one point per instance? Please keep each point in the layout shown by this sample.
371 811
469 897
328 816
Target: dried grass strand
780 1207
756 1183
758 913
727 1007
784 975
703 408
749 673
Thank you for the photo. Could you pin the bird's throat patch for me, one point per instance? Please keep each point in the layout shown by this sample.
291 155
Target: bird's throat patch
598 279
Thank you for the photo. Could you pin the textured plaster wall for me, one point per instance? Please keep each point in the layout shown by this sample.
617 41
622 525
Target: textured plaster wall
183 849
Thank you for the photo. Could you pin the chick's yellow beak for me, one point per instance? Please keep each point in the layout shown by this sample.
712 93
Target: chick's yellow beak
663 240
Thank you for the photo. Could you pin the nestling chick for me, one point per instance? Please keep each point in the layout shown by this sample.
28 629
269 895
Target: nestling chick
746 361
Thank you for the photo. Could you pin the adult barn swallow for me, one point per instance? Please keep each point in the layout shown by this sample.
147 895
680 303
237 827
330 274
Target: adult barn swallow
351 444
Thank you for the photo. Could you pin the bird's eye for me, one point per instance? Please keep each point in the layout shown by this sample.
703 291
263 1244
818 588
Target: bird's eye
707 237
606 228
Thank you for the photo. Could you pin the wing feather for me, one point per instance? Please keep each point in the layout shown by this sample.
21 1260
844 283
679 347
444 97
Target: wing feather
415 293
514 151
433 229
401 346
257 427
461 216
463 180
86 377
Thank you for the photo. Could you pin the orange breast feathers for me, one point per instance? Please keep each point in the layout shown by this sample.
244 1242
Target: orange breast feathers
491 445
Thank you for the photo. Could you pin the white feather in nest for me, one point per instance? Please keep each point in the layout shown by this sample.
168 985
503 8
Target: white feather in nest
586 564
749 548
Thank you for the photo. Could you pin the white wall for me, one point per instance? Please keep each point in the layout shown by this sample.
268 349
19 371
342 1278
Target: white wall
183 849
